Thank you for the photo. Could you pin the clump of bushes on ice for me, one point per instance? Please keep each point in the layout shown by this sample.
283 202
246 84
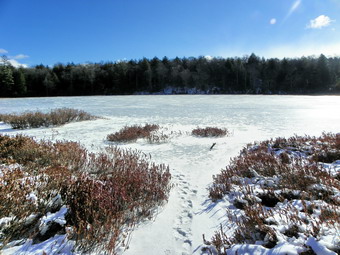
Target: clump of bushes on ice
98 197
135 132
209 132
37 119
279 189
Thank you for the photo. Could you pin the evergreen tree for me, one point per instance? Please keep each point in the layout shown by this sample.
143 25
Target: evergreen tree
249 74
6 78
50 82
19 87
323 73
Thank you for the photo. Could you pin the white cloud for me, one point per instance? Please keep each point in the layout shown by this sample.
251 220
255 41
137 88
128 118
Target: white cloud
320 22
20 56
16 63
13 60
302 49
3 51
272 21
293 8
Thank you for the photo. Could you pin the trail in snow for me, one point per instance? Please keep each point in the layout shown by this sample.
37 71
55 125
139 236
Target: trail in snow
178 229
183 222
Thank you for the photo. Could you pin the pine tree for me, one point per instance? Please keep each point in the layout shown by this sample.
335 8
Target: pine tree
6 78
19 87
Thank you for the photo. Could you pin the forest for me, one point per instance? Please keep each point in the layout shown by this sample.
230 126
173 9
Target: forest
239 75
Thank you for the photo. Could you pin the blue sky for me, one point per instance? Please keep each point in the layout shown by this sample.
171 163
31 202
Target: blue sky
48 32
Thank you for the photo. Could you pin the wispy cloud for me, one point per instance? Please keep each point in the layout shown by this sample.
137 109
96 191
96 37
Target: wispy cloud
320 22
292 9
3 51
20 56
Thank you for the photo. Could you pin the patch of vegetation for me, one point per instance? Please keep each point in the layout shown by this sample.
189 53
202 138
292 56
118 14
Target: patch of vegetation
132 133
275 184
105 194
210 132
37 119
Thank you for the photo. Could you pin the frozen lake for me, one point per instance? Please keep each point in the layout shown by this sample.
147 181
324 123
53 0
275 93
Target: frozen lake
274 115
179 226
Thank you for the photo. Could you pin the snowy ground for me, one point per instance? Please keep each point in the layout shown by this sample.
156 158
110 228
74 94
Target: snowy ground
179 226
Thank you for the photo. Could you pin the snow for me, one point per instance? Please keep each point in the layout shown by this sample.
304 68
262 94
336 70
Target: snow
32 197
330 241
180 224
318 248
251 249
55 245
333 168
58 217
5 220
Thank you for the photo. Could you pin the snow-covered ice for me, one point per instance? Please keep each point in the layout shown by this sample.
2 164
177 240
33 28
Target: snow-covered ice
180 224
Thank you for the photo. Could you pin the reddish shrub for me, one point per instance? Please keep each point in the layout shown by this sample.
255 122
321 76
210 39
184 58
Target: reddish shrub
104 192
37 119
279 170
132 133
24 150
209 132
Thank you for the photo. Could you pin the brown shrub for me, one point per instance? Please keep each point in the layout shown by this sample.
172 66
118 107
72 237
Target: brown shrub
209 132
104 192
37 119
132 133
25 198
283 169
118 197
26 151
294 171
325 148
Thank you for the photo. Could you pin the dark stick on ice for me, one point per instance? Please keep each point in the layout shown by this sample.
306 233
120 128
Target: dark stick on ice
212 146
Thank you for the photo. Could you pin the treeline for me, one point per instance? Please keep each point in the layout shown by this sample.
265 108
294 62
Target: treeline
249 74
